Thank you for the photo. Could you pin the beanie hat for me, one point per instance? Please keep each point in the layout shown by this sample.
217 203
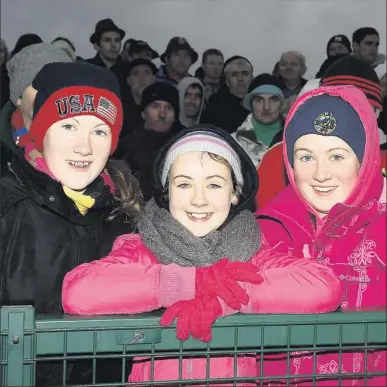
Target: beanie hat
263 84
326 115
339 39
74 89
23 67
201 141
355 72
160 91
227 64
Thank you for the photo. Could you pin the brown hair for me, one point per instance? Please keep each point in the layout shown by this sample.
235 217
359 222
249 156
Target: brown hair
128 196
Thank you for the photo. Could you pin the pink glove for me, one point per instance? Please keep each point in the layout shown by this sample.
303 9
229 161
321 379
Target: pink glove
220 280
194 317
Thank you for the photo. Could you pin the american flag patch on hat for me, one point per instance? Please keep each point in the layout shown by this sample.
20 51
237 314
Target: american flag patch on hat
107 109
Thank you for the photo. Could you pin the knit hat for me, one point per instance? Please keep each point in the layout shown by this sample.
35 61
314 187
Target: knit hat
23 67
201 141
355 72
74 89
263 84
229 61
326 115
178 43
339 39
225 141
160 91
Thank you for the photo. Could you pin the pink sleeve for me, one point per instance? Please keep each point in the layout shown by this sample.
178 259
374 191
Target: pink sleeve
120 284
292 286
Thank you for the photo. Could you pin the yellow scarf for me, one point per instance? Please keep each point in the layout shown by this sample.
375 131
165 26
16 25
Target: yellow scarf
83 202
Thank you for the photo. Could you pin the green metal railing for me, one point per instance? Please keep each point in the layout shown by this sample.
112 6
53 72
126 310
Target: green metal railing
31 347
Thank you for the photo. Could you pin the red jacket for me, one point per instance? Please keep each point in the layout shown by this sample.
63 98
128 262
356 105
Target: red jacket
351 239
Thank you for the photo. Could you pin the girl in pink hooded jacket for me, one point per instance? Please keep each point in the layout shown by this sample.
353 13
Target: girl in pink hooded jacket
199 254
334 211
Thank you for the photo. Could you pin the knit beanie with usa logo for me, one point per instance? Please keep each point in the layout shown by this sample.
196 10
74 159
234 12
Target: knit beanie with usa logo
66 90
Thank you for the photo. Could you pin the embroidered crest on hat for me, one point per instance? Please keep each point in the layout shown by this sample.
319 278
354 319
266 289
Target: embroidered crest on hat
181 41
338 38
325 123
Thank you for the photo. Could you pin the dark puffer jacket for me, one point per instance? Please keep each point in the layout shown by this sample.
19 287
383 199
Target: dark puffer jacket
43 234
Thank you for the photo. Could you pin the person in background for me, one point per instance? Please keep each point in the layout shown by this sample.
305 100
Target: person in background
328 62
263 126
63 201
4 78
141 73
178 57
125 50
106 40
353 71
225 108
25 41
275 71
212 65
67 46
16 115
205 182
348 71
291 68
338 45
365 43
160 112
191 101
141 50
334 212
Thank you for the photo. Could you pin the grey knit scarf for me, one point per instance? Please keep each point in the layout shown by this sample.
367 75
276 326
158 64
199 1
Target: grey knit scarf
171 242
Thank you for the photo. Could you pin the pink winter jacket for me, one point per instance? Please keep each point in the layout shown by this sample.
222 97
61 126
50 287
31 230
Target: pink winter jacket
351 240
130 280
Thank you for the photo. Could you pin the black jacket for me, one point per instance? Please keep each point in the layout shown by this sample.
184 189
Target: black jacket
139 150
225 110
118 68
43 235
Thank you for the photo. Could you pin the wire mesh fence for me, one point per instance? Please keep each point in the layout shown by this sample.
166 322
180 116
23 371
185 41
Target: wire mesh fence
331 349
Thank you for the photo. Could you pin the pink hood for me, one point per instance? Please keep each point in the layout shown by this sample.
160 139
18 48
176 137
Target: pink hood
370 181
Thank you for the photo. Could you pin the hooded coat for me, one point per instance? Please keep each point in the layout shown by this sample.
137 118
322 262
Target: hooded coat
132 280
351 239
182 88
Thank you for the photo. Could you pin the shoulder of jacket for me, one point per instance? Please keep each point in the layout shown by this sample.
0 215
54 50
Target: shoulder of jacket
128 241
11 193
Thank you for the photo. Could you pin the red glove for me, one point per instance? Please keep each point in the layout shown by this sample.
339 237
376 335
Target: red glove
194 317
220 280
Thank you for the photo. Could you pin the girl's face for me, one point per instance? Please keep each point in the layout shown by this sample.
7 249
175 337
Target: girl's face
76 150
200 192
325 170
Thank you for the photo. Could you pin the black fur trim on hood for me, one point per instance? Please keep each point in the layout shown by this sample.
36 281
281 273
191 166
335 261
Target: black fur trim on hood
249 172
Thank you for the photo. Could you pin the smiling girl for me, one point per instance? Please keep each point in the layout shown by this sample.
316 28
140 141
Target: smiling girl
199 254
334 210
60 198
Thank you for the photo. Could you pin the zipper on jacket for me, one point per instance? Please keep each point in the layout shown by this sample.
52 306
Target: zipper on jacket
9 165
189 369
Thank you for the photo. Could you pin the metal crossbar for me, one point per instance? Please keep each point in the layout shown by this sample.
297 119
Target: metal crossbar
100 351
